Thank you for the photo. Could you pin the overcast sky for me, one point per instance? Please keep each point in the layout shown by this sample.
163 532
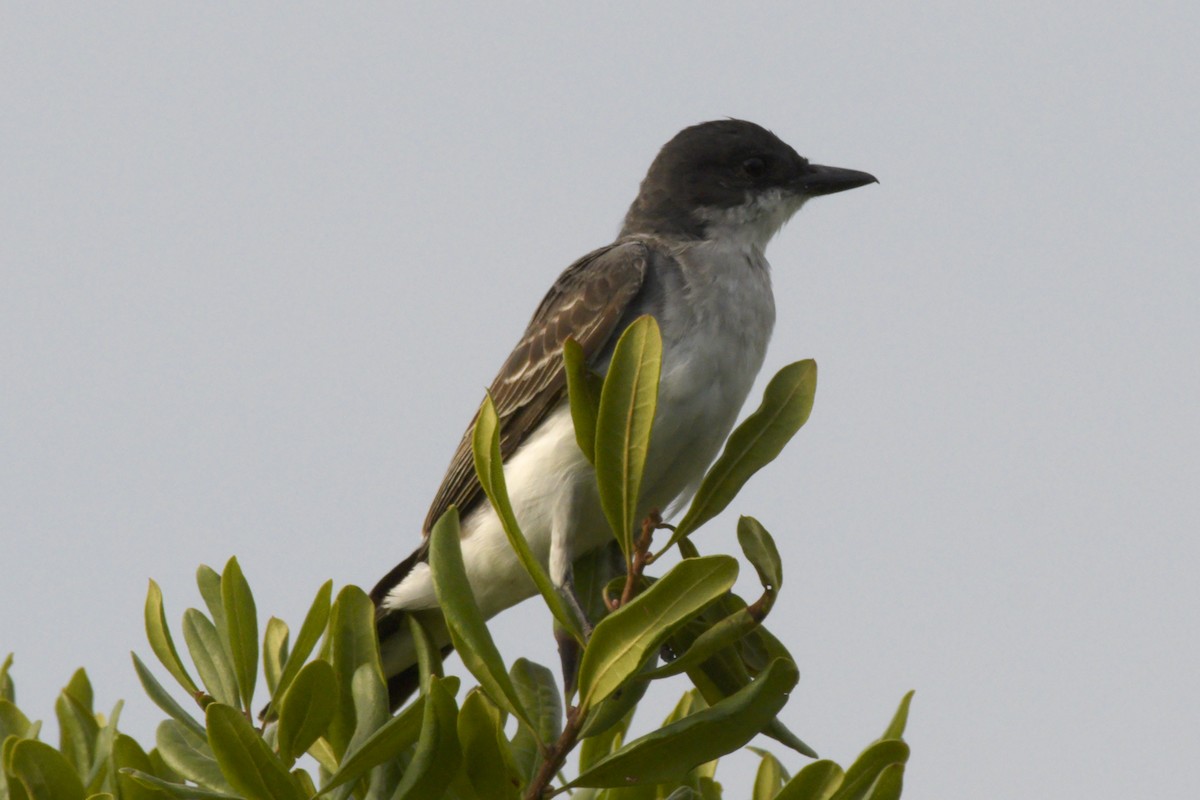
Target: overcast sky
258 265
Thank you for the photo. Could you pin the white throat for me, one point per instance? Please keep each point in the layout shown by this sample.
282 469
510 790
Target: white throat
752 224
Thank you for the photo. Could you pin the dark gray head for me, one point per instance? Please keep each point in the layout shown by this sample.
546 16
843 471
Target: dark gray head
729 173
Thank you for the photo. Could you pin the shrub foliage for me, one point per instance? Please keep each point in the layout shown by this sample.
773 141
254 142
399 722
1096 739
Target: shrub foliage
515 734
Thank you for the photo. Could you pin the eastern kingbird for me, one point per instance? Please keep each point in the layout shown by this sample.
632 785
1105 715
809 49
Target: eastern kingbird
690 254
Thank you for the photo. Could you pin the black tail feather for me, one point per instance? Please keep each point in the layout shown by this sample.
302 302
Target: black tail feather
392 622
399 573
402 685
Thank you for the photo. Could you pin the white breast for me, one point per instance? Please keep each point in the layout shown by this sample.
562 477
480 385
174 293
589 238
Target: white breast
715 339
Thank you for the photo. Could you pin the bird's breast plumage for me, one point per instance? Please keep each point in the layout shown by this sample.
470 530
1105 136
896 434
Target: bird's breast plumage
716 312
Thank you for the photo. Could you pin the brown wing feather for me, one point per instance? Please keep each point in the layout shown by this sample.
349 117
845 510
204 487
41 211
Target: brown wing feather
586 303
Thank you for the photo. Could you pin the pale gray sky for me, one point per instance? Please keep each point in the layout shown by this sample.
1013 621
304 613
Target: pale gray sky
259 262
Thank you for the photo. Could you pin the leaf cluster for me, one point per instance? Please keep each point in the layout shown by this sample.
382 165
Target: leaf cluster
436 747
511 735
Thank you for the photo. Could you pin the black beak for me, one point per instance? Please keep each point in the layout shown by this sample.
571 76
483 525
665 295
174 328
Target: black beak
818 180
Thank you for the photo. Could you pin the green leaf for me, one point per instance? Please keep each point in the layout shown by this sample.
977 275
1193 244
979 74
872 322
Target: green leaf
608 740
274 651
161 643
725 671
623 425
12 721
160 768
128 754
583 392
429 659
189 754
467 627
44 773
352 643
307 709
10 787
241 616
718 637
372 712
8 690
209 582
818 781
175 789
208 654
895 729
760 551
162 698
77 732
759 647
727 683
780 733
726 630
619 704
888 785
625 639
593 571
487 760
537 690
644 792
438 754
387 743
307 788
245 760
769 778
671 752
785 407
80 688
310 633
863 773
485 444
690 702
99 775
371 708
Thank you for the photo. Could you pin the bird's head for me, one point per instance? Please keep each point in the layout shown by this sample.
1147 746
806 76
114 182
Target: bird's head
730 178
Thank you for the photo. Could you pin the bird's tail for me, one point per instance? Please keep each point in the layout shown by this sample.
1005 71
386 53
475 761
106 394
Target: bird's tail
395 639
399 652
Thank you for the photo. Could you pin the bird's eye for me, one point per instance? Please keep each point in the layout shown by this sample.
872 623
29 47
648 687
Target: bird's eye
754 167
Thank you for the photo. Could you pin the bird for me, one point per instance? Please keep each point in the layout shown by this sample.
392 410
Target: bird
690 253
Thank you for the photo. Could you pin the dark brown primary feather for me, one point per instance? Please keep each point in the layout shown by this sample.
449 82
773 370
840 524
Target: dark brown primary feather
586 303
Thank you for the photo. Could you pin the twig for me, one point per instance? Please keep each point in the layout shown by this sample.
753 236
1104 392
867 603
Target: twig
642 557
555 755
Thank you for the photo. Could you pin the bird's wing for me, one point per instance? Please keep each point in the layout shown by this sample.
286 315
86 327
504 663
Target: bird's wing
586 303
